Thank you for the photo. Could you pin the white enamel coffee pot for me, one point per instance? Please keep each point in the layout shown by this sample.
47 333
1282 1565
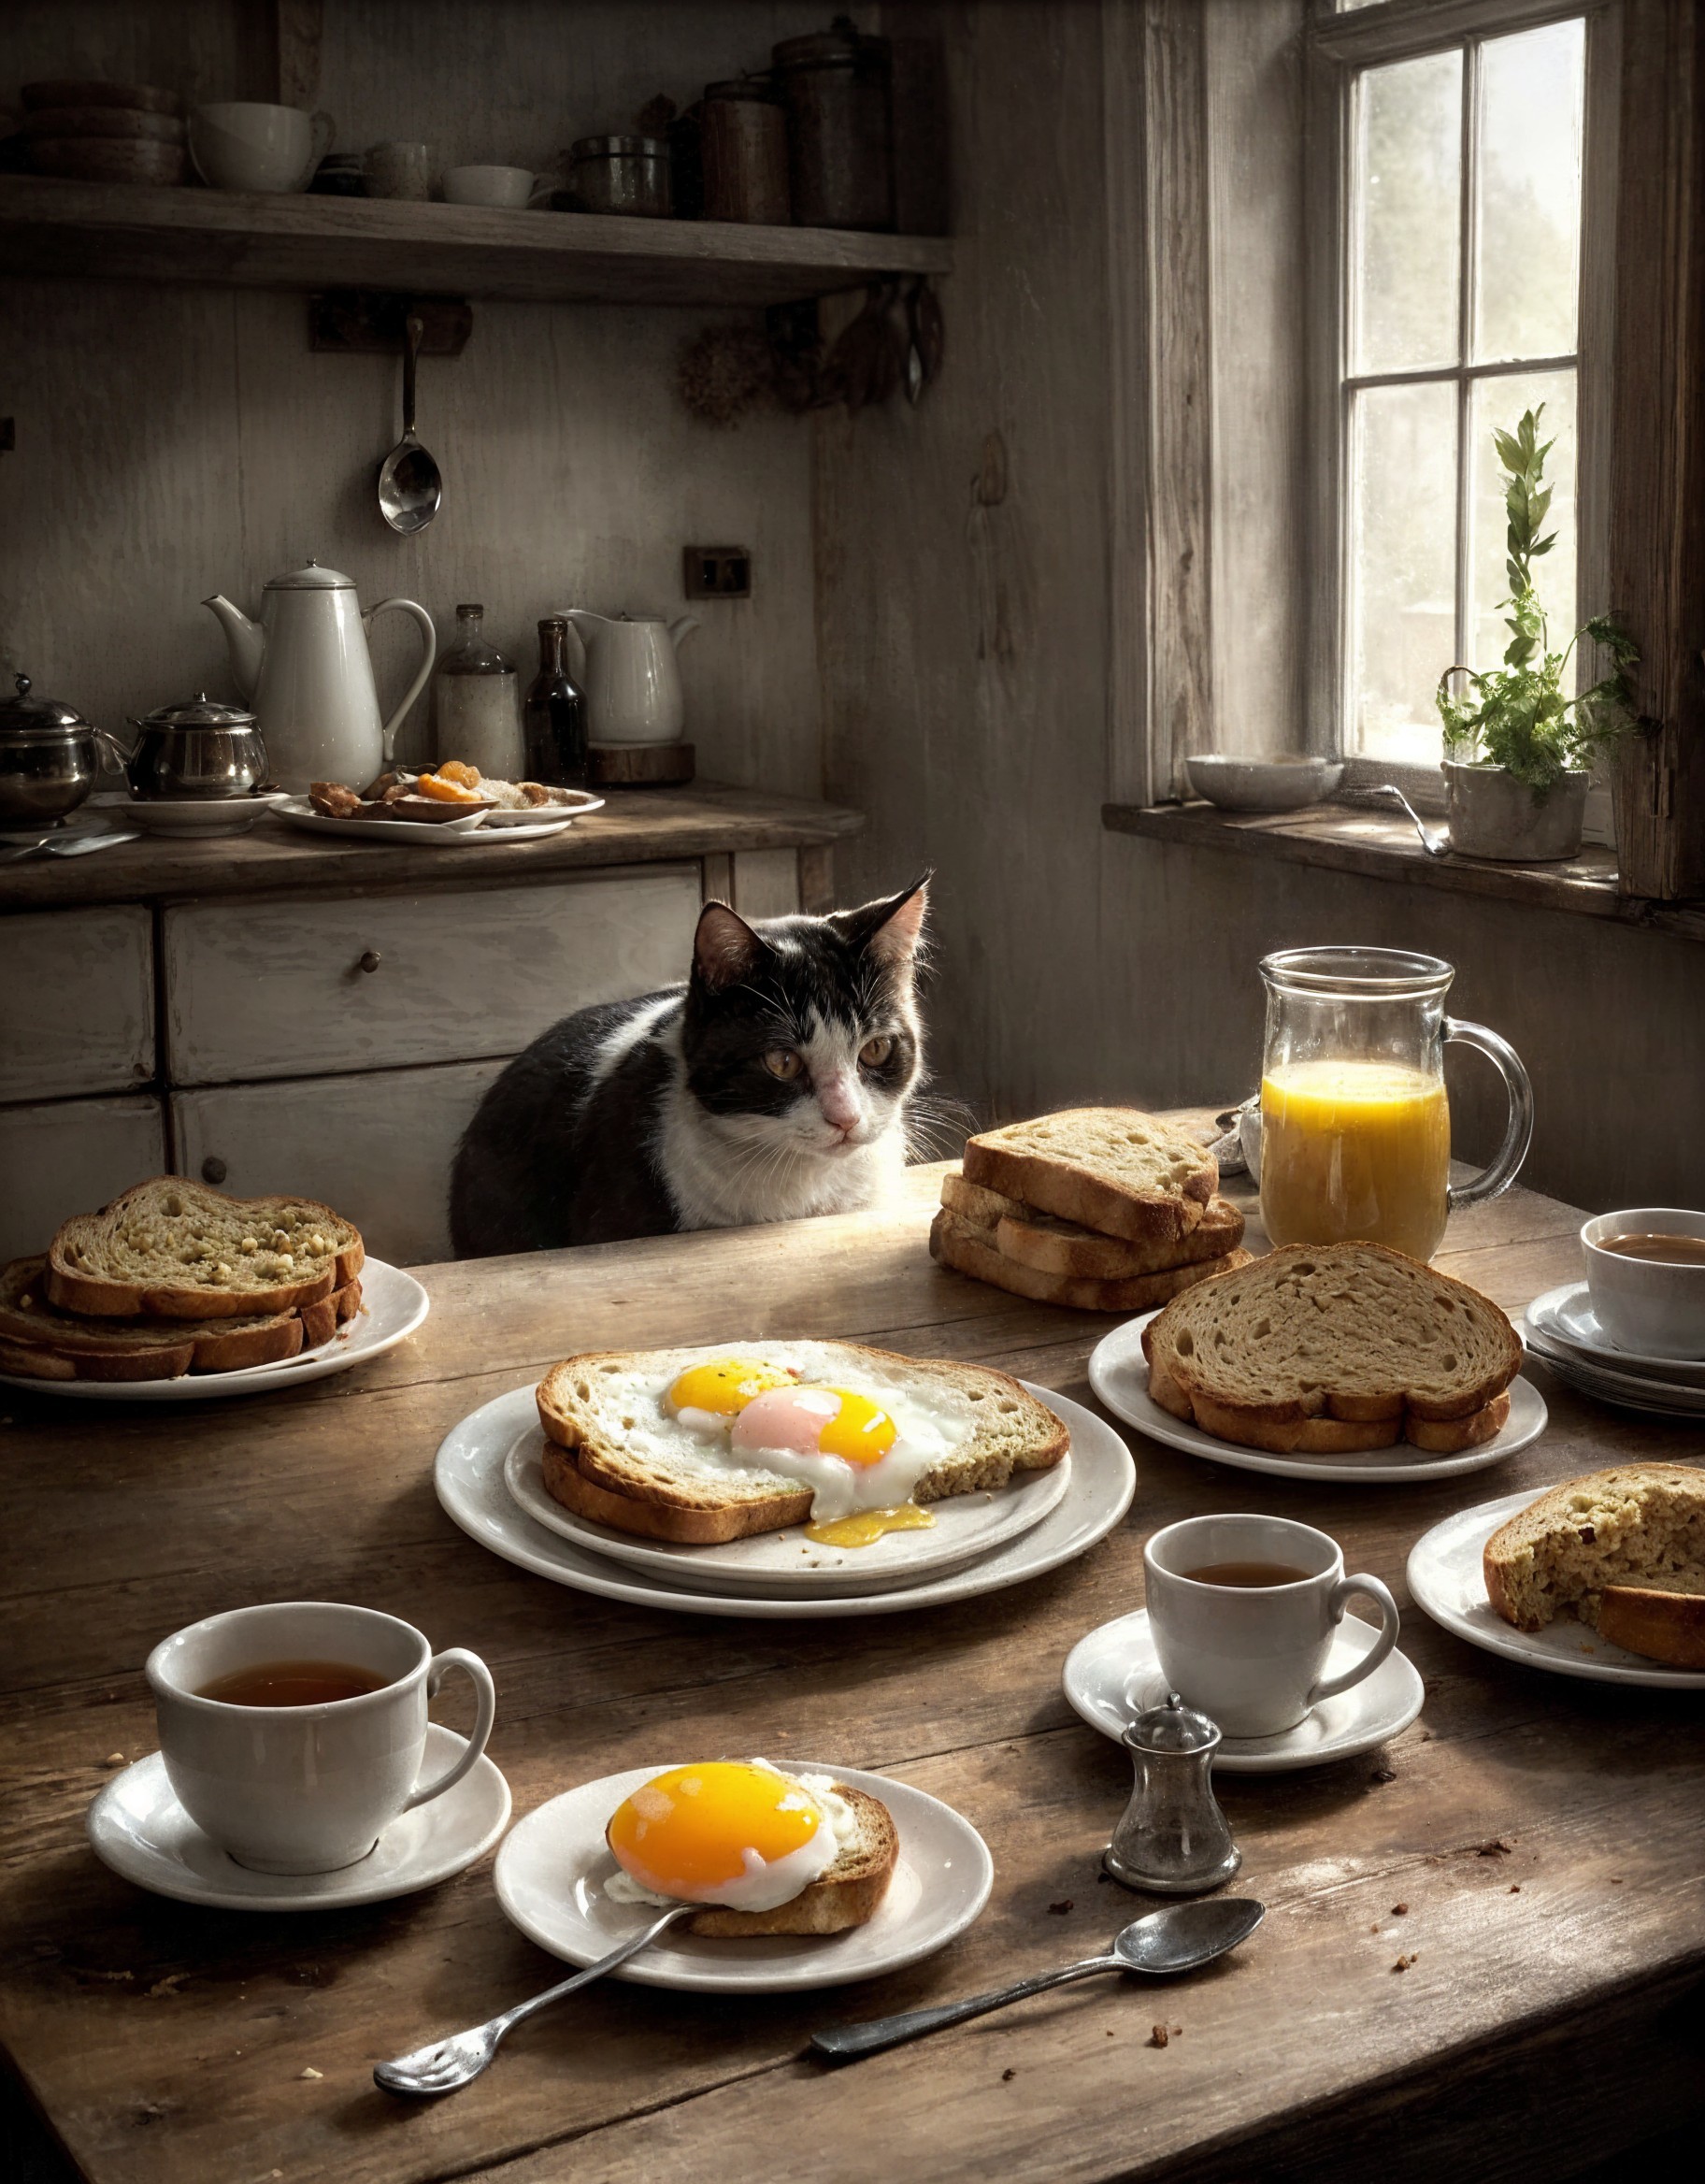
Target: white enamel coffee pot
632 685
305 670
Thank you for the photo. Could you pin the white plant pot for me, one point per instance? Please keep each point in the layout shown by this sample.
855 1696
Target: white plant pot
1494 815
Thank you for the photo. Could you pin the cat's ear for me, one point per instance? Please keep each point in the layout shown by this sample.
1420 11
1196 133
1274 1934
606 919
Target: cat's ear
892 929
725 948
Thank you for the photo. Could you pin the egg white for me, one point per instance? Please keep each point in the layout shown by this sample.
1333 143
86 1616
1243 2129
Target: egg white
764 1885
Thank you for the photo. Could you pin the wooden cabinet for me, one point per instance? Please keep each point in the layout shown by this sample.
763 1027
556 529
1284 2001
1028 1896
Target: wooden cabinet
76 1002
67 1155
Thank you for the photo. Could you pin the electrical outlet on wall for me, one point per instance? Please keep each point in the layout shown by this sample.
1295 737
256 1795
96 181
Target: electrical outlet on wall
717 572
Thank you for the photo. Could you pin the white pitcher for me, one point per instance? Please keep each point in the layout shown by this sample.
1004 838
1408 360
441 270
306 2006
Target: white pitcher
632 685
306 669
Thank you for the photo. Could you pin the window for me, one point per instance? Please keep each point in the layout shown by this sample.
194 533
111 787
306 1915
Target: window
1456 291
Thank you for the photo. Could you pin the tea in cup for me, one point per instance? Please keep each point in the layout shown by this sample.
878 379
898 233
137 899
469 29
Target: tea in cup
1645 1273
293 1735
1243 1612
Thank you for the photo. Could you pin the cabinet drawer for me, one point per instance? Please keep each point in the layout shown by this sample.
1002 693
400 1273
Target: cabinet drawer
69 1156
76 1002
279 989
377 1147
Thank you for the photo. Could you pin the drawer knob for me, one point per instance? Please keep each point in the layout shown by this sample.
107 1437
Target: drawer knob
371 960
213 1170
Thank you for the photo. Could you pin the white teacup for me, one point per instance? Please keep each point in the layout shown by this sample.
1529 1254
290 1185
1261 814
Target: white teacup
1654 1305
242 144
1251 1656
510 186
305 1788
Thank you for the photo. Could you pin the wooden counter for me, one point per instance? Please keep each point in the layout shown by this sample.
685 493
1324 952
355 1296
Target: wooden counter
1543 1834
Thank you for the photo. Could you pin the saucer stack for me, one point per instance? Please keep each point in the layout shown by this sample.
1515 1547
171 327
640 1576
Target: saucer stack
1562 1329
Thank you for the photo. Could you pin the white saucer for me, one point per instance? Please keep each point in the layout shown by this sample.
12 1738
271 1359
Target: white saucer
1446 1578
1565 1319
197 816
393 1305
446 833
966 1526
137 1827
550 1872
1630 1391
1119 1374
1112 1675
468 1475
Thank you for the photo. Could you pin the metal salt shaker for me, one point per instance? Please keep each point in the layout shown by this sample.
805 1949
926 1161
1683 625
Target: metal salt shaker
1173 1838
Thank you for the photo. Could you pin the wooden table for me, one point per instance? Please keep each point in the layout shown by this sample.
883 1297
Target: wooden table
1544 1835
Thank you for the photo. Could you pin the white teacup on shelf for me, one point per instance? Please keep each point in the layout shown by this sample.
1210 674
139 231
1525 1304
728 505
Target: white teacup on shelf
1243 1610
245 144
292 1733
509 187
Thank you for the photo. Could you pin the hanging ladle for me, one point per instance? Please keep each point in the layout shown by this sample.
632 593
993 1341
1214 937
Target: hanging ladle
410 486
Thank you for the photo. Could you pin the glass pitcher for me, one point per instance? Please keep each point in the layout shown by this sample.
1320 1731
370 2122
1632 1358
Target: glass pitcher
1355 1127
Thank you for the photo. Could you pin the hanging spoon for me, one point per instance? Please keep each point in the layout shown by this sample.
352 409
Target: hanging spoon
410 486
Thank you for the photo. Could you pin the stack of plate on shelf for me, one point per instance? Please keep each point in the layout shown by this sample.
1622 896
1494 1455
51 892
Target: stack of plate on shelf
489 1480
105 132
1563 1331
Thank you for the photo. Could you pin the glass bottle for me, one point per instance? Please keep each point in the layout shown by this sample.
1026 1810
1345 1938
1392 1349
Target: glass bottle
475 703
555 714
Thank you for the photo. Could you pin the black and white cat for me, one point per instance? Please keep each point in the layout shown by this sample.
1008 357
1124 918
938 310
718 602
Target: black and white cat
774 1083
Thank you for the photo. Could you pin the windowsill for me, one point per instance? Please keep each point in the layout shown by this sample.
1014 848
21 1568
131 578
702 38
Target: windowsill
1341 839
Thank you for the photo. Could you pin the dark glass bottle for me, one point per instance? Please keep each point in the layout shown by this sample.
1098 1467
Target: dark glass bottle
555 715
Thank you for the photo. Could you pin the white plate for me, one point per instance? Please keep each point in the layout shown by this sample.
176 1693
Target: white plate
1628 1392
966 1526
185 815
564 804
468 1475
1119 1374
393 1305
1564 1318
1113 1675
1445 1578
447 832
137 1827
550 1880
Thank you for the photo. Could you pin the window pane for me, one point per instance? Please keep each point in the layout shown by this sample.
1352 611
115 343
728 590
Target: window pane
1499 402
1529 209
1405 228
1403 564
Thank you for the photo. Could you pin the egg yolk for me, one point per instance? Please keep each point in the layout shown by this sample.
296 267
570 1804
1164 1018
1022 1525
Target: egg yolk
817 1421
690 1830
725 1386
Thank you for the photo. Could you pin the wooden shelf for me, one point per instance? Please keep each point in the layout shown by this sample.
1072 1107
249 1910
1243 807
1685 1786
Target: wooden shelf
127 232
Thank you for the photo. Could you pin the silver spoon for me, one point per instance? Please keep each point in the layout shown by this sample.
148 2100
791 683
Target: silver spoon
1181 1938
410 486
444 2066
1436 845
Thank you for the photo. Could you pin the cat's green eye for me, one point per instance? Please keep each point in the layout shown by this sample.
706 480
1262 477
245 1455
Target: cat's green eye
782 1061
875 1052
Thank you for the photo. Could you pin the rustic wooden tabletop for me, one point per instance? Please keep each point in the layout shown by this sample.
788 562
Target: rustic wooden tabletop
1544 1834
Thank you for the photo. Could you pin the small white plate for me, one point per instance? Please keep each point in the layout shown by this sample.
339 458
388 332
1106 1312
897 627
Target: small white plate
474 826
197 816
137 1827
1113 1675
564 804
550 1880
1446 1578
468 1475
1119 1374
1564 1318
393 1305
966 1526
1630 1391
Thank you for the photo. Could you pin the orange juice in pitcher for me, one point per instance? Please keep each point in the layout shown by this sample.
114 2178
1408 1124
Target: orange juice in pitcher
1356 1125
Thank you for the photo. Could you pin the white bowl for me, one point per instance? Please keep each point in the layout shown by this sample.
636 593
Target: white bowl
1282 782
1644 1303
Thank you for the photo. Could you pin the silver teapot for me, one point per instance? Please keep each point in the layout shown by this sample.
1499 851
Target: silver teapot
198 750
50 758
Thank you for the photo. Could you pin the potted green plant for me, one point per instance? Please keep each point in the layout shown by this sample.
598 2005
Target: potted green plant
1518 748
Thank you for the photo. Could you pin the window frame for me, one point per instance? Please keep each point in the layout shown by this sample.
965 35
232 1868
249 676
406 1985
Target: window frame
1341 46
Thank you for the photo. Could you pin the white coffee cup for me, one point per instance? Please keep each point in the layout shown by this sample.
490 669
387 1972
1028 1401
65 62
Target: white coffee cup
243 144
305 1788
499 186
1251 1657
398 170
1643 1304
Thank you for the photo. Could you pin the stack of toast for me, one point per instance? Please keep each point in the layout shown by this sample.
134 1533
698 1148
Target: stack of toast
173 1277
1101 1209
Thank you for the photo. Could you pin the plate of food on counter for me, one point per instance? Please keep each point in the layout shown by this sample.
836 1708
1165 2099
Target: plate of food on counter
447 803
176 1292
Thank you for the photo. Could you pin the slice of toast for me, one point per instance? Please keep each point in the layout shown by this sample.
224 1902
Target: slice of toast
1056 1247
1335 1347
173 1249
968 1251
1636 1526
846 1895
1112 1169
1667 1626
606 1409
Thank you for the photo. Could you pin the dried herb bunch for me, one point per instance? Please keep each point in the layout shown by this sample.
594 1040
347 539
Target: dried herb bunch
1518 716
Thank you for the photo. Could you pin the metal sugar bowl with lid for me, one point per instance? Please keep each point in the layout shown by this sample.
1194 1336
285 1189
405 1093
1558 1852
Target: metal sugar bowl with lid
197 749
49 757
1173 1837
